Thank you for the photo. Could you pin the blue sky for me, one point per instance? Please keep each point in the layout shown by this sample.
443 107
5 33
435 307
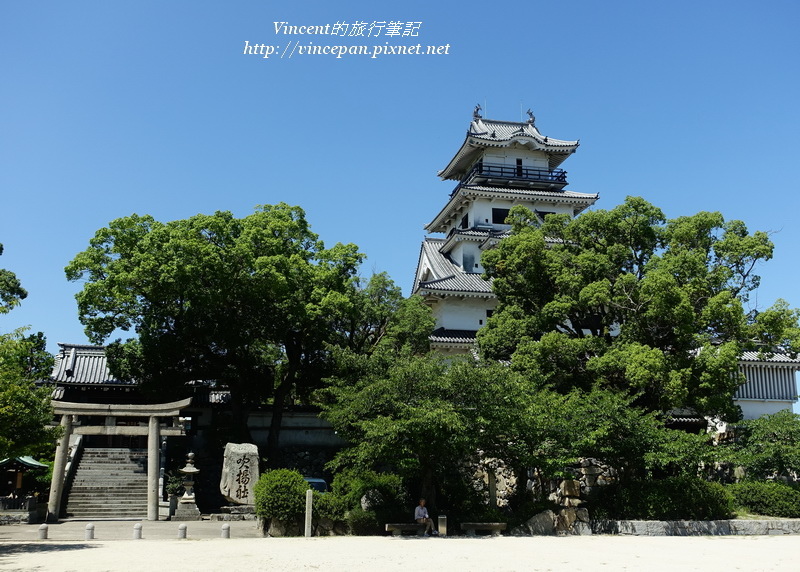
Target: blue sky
109 108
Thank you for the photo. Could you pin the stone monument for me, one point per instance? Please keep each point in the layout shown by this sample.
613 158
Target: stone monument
238 480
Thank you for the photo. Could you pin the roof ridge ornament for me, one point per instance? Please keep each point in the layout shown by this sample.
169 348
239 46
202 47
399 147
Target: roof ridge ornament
531 117
476 114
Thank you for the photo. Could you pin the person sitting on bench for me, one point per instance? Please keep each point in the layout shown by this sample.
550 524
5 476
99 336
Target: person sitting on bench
421 516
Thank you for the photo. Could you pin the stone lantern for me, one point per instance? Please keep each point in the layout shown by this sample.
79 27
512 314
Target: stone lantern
187 508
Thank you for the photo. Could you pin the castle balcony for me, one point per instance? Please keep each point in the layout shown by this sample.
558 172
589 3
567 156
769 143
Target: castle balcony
483 173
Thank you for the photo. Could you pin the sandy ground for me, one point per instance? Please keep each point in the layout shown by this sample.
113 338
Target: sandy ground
160 549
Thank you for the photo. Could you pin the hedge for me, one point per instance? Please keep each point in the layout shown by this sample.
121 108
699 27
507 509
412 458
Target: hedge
673 498
768 498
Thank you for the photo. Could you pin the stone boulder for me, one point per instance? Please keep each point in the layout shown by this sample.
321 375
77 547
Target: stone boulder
570 488
542 524
281 528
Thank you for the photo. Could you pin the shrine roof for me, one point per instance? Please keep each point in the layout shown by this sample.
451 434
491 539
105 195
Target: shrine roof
21 463
84 364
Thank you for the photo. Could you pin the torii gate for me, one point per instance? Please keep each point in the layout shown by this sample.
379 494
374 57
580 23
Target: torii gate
111 411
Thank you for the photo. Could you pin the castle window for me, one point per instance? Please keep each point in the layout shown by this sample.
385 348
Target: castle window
499 216
519 167
465 221
468 261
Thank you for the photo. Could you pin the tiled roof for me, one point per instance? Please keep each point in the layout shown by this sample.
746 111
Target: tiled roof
485 133
447 276
494 130
445 336
533 192
482 236
84 365
466 193
480 233
772 358
462 282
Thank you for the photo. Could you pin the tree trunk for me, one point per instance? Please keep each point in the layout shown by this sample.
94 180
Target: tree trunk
273 440
240 428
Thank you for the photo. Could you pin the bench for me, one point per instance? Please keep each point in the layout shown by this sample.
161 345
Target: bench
399 528
493 527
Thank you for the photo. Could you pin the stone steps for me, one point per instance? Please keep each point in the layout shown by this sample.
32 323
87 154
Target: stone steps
109 483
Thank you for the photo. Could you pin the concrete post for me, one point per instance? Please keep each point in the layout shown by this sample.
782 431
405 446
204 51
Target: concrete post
226 530
137 531
309 508
43 532
153 443
89 533
182 532
59 465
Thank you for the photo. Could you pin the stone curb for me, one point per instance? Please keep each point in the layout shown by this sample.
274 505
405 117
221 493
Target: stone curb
696 527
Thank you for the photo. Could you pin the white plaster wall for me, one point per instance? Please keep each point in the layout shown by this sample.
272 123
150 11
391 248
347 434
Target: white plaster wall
536 159
462 314
466 248
481 209
752 408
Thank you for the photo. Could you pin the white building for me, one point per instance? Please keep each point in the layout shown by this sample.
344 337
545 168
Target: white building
499 165
771 383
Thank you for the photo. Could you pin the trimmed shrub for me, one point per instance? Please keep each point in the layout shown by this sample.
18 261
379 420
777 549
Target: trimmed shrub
281 494
363 522
329 505
673 498
381 494
768 498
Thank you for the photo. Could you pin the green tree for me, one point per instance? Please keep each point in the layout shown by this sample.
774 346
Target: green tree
251 303
11 291
424 416
25 411
627 300
769 446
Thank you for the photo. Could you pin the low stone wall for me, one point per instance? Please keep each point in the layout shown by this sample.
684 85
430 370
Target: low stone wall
319 527
696 527
32 513
14 518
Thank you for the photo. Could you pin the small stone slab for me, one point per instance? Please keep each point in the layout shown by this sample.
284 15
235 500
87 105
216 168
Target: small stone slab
493 527
399 528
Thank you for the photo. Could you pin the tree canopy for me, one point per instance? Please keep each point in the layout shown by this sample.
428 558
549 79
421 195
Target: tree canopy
11 291
254 303
629 300
768 447
25 411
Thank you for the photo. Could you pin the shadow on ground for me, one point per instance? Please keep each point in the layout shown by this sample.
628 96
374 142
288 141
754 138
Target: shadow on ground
10 549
